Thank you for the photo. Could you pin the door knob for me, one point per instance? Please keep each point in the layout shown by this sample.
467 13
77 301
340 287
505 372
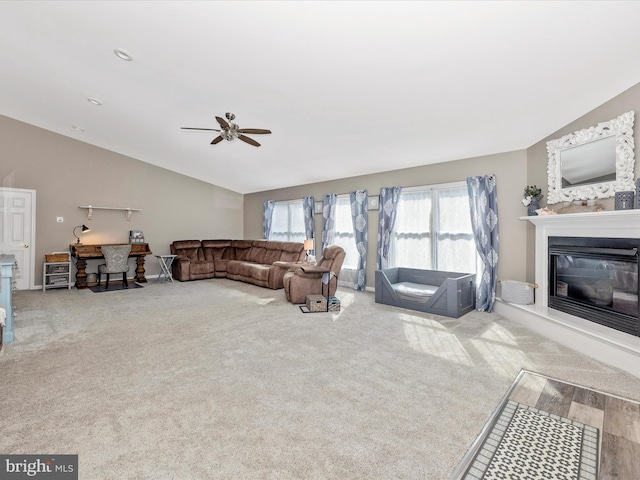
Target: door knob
25 246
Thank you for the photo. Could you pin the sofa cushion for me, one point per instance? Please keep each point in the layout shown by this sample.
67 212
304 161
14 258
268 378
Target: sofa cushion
233 266
214 253
241 243
251 270
241 248
241 254
291 251
290 256
215 249
272 252
254 271
203 267
328 255
256 254
221 267
180 244
190 249
192 254
260 272
292 247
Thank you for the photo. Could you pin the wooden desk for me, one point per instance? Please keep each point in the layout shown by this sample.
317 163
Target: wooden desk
82 253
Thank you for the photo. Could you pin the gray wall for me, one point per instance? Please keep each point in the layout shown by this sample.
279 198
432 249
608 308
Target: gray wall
537 154
510 169
67 173
514 171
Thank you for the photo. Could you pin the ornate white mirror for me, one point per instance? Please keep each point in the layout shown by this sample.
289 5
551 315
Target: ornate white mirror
592 163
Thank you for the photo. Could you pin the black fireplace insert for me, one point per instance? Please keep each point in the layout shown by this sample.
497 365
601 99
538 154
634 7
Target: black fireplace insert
596 279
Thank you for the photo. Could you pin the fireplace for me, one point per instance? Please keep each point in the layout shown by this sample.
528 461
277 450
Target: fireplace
606 344
596 279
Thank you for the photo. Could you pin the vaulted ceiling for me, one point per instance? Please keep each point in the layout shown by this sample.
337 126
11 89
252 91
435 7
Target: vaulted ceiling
347 88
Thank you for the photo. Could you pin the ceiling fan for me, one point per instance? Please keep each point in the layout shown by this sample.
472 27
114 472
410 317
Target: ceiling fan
230 131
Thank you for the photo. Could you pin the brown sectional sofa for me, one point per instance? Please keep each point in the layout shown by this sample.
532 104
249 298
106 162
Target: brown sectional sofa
250 261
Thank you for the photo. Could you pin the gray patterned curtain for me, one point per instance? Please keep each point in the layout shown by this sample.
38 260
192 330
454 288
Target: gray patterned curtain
388 206
360 218
309 223
483 202
268 215
329 202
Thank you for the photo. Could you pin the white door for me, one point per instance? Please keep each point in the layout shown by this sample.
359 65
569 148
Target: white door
17 220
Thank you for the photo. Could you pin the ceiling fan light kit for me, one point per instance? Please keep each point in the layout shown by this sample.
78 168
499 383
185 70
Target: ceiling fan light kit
229 131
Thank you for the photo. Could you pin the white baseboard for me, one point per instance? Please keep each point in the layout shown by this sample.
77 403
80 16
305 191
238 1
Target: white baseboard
607 345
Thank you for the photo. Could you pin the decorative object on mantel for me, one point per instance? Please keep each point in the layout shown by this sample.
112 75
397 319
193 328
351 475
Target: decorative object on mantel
638 193
580 206
592 163
531 197
546 211
624 200
127 210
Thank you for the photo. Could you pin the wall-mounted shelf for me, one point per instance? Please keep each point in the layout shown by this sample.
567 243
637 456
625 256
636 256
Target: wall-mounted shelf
126 210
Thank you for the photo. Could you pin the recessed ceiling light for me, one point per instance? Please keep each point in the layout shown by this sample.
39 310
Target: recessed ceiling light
79 129
123 54
95 101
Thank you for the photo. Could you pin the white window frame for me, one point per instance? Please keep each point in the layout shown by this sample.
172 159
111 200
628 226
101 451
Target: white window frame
289 232
348 272
433 218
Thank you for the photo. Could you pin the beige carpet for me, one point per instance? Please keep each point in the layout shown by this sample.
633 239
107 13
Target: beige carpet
217 379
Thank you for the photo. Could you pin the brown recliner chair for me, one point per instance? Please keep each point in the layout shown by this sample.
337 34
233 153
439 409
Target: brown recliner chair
298 283
190 263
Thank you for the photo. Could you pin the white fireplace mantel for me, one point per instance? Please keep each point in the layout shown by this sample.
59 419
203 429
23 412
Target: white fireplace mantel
611 224
605 344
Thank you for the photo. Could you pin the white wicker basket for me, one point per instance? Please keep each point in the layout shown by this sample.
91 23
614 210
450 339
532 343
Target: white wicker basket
514 291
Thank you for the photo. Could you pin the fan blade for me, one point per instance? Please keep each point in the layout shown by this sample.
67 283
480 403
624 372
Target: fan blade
223 123
194 128
253 130
250 141
218 139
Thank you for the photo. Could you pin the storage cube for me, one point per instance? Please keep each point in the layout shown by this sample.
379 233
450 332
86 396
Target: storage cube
316 303
334 304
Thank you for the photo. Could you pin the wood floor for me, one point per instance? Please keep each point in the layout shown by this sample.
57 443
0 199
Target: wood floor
617 420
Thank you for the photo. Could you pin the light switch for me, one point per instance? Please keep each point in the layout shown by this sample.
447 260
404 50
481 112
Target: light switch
59 219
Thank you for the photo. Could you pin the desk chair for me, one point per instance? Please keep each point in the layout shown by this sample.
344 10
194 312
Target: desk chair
117 257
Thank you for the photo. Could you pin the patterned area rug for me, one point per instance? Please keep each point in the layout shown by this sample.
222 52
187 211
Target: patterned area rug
528 443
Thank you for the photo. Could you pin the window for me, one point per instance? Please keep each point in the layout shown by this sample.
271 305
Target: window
287 223
433 229
345 238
